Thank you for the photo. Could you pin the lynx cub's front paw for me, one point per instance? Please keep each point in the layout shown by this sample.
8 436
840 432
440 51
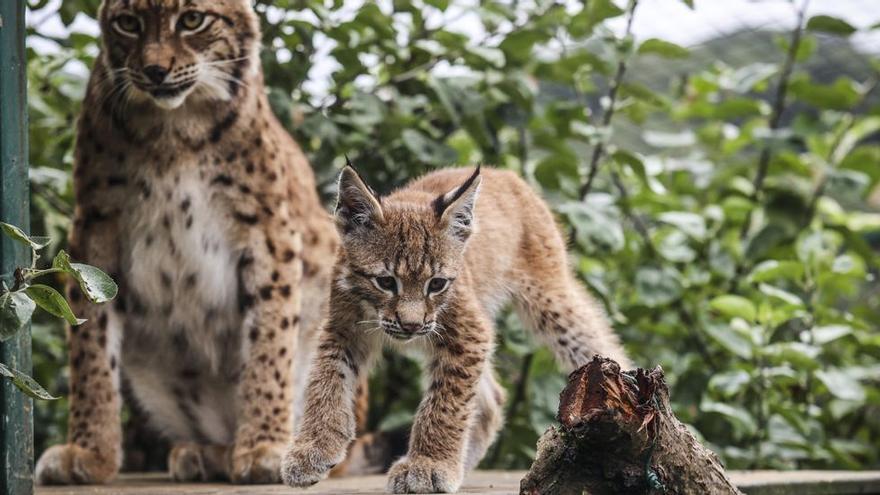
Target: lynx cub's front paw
69 464
258 465
305 465
421 475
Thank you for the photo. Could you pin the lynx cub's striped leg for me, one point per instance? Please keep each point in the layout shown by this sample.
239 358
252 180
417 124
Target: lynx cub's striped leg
270 273
435 461
93 452
566 318
329 423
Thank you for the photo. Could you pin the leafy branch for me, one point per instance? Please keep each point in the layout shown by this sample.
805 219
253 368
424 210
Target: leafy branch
18 303
611 101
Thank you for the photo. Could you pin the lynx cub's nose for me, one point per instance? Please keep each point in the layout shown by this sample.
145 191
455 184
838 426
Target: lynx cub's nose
409 326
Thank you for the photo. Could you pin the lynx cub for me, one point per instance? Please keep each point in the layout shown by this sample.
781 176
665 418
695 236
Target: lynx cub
430 266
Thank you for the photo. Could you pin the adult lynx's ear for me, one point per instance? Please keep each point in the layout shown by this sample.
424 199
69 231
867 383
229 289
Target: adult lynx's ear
357 205
455 209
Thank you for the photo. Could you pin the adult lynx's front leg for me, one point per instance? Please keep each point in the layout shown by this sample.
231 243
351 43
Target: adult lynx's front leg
93 452
270 273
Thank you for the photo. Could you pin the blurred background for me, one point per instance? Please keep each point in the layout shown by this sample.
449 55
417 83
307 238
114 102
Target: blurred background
714 164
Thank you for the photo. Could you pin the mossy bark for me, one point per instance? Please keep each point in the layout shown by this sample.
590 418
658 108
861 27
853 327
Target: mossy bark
616 431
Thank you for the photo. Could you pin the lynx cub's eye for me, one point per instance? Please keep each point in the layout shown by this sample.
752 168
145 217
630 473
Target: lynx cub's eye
437 285
386 283
127 25
191 21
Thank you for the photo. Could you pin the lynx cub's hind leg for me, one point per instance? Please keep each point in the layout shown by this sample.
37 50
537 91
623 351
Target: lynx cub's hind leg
197 462
487 419
566 318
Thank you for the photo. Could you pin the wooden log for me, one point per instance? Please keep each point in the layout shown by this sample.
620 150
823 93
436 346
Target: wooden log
618 434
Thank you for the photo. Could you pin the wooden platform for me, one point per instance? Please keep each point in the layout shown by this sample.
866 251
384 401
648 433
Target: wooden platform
488 482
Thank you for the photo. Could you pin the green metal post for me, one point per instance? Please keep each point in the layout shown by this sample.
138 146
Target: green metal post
17 423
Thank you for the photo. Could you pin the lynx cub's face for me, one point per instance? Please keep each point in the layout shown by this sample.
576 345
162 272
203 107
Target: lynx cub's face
402 254
169 50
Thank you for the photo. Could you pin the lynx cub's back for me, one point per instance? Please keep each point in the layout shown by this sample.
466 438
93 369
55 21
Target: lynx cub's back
431 264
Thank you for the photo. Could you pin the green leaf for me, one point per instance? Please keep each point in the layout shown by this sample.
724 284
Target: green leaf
734 306
840 95
730 383
658 286
18 235
593 13
861 129
54 303
675 247
553 170
597 230
841 384
830 25
732 339
776 270
25 383
95 284
690 223
827 333
781 295
16 309
737 416
663 48
797 353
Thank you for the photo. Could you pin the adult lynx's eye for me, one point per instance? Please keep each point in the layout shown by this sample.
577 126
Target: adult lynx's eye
127 24
386 283
191 20
437 285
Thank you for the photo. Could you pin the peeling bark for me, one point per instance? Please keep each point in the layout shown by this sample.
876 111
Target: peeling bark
617 430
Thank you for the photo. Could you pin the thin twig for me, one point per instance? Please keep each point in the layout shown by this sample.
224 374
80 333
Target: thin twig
611 101
778 110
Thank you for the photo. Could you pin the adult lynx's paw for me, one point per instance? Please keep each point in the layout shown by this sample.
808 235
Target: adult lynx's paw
69 464
421 475
305 465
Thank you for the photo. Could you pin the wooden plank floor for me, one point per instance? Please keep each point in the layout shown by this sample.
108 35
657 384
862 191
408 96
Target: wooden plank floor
487 482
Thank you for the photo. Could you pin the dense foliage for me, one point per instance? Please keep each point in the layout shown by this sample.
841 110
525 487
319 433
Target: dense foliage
721 215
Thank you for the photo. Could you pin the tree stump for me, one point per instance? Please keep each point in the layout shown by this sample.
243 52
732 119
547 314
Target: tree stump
618 435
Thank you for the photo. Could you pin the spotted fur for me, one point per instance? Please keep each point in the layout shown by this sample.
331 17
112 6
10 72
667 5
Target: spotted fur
504 246
193 197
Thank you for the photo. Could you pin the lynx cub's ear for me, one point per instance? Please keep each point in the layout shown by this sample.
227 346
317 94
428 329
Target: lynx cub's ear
455 209
357 205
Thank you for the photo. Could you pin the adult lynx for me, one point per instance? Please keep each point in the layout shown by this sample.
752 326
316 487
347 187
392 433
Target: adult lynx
194 197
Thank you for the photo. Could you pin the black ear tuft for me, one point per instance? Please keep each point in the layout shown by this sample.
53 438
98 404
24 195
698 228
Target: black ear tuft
443 201
455 209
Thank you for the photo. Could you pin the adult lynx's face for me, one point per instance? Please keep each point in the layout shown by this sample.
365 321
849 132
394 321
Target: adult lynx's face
402 255
169 50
